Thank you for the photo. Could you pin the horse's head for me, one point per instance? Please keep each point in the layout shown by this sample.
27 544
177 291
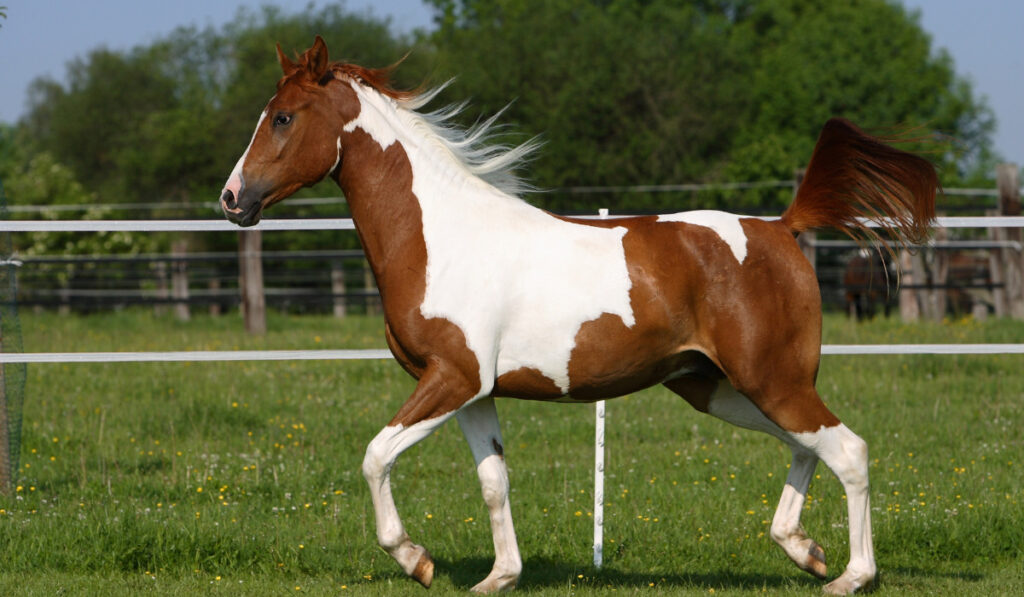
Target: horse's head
296 142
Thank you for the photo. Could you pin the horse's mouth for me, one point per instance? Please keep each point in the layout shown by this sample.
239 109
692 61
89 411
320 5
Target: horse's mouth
237 213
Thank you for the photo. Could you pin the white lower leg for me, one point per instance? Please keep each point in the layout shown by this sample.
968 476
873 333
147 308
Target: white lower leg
380 457
729 405
847 455
479 423
786 528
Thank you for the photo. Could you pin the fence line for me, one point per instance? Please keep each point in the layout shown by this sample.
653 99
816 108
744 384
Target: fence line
218 225
347 224
577 190
194 356
383 353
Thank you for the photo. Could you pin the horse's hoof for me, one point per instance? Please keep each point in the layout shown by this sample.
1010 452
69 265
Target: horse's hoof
496 584
850 582
424 570
815 563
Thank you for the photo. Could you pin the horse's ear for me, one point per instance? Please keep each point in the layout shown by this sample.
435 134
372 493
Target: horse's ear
316 60
286 64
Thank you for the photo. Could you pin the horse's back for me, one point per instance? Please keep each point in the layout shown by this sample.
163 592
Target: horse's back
706 291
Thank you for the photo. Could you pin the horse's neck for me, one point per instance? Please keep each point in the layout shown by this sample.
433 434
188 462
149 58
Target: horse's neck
400 179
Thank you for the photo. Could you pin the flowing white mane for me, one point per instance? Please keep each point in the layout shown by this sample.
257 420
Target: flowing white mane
473 147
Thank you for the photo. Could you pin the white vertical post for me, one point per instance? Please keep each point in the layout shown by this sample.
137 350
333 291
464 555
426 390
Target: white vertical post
599 484
599 469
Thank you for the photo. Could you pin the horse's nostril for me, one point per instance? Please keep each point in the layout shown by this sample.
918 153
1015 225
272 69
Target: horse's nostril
228 199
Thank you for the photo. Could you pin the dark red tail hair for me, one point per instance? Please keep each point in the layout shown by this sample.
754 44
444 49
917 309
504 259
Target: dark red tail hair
853 175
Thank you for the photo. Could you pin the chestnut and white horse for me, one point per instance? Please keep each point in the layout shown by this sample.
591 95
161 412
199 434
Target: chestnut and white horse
485 295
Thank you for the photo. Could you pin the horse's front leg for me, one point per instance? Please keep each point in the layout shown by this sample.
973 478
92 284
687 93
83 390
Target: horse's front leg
436 398
479 422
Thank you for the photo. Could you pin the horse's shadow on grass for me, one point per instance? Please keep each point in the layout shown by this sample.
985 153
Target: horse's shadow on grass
544 573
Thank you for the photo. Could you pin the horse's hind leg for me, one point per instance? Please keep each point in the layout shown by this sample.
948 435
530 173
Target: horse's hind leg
479 423
799 411
720 399
847 455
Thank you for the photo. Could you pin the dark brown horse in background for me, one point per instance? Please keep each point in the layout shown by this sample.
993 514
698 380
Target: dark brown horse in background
485 295
866 284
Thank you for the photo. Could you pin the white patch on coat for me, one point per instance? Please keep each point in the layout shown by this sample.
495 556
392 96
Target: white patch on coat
726 225
833 444
517 281
337 160
373 113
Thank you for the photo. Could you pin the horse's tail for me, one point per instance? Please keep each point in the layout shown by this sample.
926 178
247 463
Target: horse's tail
854 177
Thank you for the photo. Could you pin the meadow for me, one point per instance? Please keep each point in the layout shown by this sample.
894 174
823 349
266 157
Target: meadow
244 478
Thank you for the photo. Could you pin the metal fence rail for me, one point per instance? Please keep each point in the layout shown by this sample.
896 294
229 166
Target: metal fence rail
221 225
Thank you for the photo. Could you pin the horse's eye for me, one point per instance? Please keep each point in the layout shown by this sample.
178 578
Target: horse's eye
282 119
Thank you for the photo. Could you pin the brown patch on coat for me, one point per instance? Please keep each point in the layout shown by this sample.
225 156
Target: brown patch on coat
528 383
378 185
695 389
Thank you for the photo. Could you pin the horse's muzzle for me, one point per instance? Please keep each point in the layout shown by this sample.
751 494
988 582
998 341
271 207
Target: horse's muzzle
238 210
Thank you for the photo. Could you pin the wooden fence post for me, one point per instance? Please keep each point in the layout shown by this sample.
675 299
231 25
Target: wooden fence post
1008 185
179 279
160 269
338 288
250 281
214 287
995 269
909 309
939 295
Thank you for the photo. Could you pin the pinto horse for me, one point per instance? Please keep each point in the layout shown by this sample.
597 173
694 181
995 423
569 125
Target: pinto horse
487 296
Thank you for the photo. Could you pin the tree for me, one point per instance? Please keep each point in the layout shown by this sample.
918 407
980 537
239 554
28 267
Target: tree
41 180
164 123
656 91
624 92
868 61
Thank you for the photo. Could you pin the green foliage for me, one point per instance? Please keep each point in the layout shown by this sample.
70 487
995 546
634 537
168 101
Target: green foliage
657 92
623 92
41 180
164 123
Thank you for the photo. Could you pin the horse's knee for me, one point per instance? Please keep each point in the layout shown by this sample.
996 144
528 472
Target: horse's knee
855 450
378 460
494 483
374 461
844 452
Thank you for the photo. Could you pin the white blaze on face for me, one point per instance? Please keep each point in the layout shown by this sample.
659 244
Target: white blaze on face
518 282
727 226
234 183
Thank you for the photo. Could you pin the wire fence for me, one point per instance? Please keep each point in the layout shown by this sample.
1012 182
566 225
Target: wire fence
347 224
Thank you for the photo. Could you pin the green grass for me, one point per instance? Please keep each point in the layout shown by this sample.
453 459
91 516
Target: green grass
244 478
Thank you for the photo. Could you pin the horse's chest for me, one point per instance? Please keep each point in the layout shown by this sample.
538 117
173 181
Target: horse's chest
521 287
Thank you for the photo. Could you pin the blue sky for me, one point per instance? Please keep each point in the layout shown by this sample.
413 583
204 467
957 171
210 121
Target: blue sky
39 37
